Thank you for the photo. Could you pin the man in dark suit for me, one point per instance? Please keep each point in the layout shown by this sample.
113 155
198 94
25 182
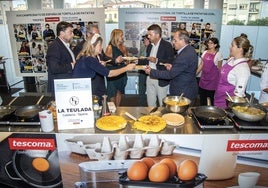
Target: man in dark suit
159 52
182 71
60 58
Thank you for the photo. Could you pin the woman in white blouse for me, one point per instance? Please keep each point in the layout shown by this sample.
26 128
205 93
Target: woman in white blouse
264 85
234 74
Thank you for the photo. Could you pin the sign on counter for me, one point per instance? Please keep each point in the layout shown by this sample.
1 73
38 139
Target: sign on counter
74 103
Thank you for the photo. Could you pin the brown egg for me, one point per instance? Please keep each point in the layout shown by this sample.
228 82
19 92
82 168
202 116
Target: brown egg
187 170
159 172
40 164
148 161
137 171
171 165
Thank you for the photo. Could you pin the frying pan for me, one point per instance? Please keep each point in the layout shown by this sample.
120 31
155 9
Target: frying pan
22 166
210 114
29 111
8 109
249 117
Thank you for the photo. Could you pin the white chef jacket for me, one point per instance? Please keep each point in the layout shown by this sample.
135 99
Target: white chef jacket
264 84
239 76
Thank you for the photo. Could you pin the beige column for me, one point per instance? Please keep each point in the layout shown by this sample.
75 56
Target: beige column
199 4
215 4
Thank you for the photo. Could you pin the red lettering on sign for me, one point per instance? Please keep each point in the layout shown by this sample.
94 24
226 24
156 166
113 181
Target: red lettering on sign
168 18
52 19
247 145
31 144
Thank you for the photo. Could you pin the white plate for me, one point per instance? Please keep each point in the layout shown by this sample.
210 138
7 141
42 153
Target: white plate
130 58
140 67
256 68
174 119
143 57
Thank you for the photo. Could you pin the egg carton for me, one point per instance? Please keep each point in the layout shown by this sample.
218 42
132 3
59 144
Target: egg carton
121 149
77 144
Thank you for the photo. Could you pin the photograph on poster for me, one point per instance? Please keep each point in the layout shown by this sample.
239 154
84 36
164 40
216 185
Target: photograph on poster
34 32
31 33
37 49
79 30
48 32
33 39
26 65
200 24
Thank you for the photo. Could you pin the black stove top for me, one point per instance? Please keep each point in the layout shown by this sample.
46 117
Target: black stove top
12 119
240 124
227 123
230 122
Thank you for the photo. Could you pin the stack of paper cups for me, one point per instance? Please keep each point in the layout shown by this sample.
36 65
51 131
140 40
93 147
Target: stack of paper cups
46 120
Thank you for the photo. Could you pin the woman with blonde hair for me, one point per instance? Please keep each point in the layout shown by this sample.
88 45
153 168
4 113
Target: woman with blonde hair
88 63
234 74
116 50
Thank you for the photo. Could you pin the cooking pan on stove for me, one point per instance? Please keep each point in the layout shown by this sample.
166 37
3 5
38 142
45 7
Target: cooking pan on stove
21 168
210 114
29 111
8 109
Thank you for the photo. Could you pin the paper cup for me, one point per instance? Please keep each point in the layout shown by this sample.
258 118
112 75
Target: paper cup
46 120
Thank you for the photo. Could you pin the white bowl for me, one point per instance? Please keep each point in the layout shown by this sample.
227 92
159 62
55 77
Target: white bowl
248 179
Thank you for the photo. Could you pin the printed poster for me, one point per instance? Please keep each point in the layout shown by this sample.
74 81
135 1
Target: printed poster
201 24
32 31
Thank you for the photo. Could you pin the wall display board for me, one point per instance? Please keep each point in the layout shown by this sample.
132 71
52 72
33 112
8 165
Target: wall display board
32 31
200 23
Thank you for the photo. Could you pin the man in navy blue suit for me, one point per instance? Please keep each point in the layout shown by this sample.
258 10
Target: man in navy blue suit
60 58
182 71
158 51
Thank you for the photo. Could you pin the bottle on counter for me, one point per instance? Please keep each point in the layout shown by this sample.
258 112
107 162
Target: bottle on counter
105 108
96 106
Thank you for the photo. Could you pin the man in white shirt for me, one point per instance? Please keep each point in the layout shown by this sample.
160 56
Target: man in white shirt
160 51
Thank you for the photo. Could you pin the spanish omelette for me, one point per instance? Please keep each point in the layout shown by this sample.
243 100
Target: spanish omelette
150 123
111 123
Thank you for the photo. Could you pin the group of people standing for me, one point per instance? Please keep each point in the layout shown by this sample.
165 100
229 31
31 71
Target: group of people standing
87 60
165 72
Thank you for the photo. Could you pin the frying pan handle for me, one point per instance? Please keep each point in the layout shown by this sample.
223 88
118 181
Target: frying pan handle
208 101
131 116
40 100
11 102
7 168
251 100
